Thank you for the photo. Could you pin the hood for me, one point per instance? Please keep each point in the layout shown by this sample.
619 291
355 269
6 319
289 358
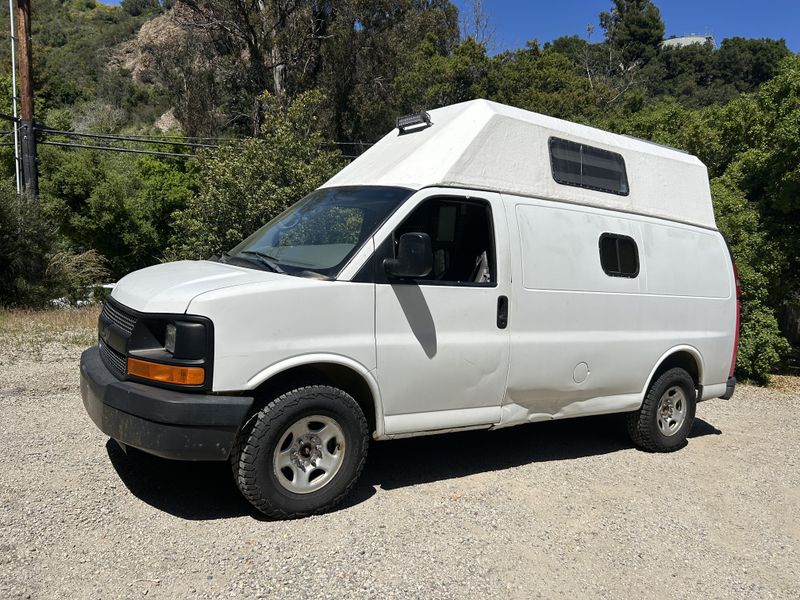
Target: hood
170 287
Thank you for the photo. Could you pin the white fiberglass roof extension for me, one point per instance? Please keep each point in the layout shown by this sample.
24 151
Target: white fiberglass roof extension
488 146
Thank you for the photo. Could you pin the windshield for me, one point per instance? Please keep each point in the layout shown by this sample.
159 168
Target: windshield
322 231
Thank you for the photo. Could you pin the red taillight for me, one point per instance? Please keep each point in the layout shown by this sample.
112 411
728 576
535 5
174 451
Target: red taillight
738 314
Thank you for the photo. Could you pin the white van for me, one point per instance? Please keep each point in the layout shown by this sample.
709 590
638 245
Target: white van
479 267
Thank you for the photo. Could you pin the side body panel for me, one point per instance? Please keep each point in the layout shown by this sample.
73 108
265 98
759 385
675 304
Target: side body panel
584 342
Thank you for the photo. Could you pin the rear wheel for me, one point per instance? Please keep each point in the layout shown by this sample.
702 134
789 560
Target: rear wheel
665 418
302 453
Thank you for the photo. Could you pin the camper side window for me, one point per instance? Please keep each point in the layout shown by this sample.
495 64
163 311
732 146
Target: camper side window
462 240
584 166
619 255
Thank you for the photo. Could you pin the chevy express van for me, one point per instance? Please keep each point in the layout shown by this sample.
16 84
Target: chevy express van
479 267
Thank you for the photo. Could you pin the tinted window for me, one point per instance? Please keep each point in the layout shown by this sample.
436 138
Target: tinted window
619 256
588 167
461 240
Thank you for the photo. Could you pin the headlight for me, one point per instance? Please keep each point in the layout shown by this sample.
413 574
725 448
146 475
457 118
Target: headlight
172 350
169 338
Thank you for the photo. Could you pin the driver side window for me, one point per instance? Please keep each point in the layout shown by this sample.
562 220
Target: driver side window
462 240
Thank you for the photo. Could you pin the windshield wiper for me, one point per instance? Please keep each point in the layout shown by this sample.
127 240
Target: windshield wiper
313 275
264 259
221 257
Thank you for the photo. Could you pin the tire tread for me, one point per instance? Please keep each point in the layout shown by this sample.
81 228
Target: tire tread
641 422
244 454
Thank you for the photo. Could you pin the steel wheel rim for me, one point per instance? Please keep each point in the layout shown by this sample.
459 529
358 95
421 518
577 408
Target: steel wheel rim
671 411
309 454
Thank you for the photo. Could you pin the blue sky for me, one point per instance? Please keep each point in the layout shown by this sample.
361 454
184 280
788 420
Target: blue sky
516 22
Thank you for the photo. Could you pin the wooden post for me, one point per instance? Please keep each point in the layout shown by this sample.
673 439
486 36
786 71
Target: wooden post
30 170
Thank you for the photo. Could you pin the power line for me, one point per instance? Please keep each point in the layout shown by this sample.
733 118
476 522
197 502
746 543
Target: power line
167 141
156 140
138 140
129 150
178 137
116 149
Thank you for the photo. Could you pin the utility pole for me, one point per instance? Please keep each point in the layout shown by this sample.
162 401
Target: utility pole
17 170
30 170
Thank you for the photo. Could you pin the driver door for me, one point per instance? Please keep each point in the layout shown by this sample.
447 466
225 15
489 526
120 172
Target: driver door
443 340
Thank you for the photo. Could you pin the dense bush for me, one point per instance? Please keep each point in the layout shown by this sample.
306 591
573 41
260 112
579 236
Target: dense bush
120 206
34 269
758 261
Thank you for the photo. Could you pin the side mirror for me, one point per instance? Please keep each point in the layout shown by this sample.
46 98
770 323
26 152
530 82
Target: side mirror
414 257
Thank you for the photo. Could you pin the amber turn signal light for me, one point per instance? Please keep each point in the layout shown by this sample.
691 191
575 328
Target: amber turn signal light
166 373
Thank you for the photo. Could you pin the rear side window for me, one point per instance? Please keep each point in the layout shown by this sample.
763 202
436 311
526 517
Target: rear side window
619 255
584 166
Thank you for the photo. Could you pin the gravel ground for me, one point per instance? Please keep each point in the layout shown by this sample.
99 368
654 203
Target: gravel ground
563 509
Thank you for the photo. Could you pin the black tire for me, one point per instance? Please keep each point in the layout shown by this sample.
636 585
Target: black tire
643 425
255 450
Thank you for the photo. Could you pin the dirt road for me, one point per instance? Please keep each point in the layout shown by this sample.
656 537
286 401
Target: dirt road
566 509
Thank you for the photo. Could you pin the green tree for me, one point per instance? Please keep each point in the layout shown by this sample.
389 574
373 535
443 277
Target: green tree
699 75
433 79
635 28
548 82
371 43
687 74
115 204
765 130
745 64
244 185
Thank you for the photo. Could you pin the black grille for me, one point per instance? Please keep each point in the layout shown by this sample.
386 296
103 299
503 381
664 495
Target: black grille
113 314
113 360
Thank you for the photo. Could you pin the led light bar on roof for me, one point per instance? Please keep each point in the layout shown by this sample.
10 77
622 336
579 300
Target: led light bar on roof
416 121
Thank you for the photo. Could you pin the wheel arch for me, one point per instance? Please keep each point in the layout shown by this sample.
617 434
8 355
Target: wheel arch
340 371
686 357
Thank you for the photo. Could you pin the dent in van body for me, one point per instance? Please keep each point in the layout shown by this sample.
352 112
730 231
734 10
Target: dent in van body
514 414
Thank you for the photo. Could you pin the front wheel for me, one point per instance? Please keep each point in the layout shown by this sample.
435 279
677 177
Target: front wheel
302 453
665 418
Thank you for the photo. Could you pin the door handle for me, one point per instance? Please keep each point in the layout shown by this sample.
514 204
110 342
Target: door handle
502 312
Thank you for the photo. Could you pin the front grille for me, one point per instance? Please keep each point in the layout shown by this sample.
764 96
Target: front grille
113 360
112 349
119 317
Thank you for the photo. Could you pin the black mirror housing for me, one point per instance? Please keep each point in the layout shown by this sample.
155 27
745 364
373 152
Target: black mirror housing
414 257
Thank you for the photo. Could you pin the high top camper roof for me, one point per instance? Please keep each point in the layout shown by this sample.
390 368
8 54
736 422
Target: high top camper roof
484 145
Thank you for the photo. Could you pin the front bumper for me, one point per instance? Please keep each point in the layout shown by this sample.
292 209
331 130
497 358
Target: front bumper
166 423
